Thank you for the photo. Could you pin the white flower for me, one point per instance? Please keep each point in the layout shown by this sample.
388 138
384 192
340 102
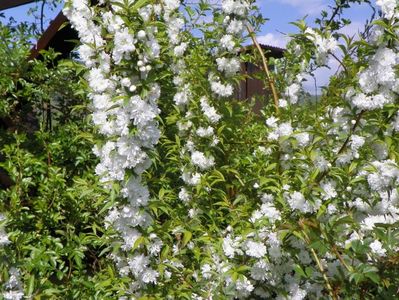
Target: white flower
266 198
171 4
323 45
209 111
179 50
387 7
200 160
321 163
192 212
204 132
149 276
291 92
13 295
386 175
272 122
357 142
230 246
206 271
136 192
328 190
184 126
145 13
376 248
369 222
260 270
184 195
269 211
395 123
227 42
98 81
182 97
244 287
124 44
138 264
191 179
3 234
229 66
284 129
238 7
303 139
235 27
282 103
255 249
223 90
298 202
365 102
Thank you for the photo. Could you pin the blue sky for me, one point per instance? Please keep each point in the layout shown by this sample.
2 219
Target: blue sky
280 13
21 13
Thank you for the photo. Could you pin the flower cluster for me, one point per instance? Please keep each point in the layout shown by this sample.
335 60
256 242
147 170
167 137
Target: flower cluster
325 179
378 82
13 288
324 45
125 111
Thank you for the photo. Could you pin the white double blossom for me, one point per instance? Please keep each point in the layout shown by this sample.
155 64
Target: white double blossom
324 45
126 119
12 288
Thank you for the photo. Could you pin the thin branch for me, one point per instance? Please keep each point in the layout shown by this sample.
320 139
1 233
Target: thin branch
265 67
359 116
339 61
343 147
318 262
42 16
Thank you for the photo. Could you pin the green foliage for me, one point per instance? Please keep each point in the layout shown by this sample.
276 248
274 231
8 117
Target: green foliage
54 206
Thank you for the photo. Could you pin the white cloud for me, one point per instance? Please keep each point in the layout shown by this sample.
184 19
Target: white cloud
308 7
277 40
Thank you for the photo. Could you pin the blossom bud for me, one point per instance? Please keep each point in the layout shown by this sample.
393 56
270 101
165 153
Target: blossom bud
141 34
126 82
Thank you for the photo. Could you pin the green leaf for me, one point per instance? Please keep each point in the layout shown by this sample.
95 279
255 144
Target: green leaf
187 235
31 285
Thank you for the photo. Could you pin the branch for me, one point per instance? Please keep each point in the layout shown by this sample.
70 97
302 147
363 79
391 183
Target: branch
359 116
42 16
265 67
318 262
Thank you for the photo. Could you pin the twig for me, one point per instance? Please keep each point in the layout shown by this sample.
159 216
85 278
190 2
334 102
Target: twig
335 13
341 259
265 67
339 61
42 16
359 116
319 265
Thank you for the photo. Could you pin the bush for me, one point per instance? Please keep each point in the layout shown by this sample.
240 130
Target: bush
199 197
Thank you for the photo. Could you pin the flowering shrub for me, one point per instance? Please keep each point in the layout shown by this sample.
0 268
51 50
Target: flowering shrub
208 200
